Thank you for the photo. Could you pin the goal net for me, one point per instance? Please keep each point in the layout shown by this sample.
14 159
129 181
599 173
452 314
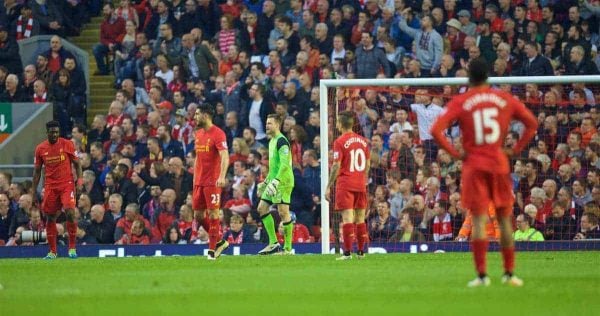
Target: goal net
414 188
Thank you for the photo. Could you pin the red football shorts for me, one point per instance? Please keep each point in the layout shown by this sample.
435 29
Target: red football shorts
206 198
57 198
480 187
345 200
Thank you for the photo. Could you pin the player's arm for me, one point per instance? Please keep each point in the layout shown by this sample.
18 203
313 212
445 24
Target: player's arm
443 122
522 114
224 165
37 172
333 174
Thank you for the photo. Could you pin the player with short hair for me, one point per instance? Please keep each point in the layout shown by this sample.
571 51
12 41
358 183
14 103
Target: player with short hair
58 155
277 188
351 164
484 115
212 160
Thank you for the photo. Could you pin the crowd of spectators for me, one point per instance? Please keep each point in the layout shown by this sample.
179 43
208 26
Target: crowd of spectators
252 58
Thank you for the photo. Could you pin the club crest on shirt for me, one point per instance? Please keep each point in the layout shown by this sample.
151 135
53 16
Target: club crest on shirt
286 150
336 155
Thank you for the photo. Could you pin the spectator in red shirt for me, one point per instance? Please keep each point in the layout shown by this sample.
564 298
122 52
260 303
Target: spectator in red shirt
165 215
112 30
125 223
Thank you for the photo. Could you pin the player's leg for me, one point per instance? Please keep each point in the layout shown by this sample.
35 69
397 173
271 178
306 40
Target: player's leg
288 226
50 207
348 233
504 200
68 202
269 226
476 197
212 197
199 207
362 235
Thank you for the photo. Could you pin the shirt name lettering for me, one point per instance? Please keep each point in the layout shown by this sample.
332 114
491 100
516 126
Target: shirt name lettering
352 140
483 98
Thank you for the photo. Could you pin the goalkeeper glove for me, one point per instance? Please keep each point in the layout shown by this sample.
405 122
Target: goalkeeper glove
272 187
261 188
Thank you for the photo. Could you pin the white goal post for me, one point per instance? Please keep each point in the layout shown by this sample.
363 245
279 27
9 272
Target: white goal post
333 83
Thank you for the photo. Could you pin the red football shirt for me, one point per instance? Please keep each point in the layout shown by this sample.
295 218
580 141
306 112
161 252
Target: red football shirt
484 116
352 152
56 158
208 161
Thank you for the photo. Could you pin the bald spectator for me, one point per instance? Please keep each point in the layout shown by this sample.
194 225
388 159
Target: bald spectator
115 143
12 93
22 216
549 187
92 187
99 131
56 55
102 225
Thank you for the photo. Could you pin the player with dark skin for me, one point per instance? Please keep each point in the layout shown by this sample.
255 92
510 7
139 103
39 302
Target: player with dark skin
53 211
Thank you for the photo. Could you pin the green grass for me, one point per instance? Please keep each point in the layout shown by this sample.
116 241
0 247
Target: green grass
556 283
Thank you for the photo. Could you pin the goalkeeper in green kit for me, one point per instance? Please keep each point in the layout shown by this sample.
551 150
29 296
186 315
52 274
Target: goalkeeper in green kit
277 188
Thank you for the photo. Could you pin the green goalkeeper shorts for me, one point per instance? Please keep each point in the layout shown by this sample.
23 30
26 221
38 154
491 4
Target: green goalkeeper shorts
283 195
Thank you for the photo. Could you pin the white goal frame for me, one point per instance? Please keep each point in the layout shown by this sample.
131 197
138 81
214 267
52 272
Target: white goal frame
333 83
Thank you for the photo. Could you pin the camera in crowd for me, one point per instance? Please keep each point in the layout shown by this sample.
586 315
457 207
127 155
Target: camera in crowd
33 236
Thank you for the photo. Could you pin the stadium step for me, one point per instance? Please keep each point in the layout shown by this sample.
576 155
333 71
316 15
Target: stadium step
102 91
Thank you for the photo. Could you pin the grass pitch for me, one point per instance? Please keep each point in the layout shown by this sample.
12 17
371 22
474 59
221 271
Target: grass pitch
556 283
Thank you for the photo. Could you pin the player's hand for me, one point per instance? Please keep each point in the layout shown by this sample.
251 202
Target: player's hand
272 187
261 188
221 182
508 152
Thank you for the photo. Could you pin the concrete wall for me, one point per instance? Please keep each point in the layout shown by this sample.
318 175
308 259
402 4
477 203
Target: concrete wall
29 129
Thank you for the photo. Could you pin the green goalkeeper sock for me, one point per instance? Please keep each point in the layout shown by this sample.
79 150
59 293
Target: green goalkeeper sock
288 229
269 226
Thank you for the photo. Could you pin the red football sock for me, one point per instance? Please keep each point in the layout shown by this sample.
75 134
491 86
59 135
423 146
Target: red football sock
213 234
361 236
205 223
51 233
479 247
508 256
72 231
348 232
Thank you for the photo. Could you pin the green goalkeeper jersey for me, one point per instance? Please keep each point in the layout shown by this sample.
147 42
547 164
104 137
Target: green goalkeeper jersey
280 161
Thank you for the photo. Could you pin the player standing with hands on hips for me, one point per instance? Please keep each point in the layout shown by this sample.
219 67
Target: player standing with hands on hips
351 164
484 116
57 155
277 188
212 161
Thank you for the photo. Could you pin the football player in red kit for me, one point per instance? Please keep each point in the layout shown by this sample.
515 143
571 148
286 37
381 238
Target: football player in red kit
212 160
57 155
351 163
484 115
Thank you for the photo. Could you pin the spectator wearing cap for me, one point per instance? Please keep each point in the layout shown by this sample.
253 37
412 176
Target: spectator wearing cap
112 31
429 43
165 109
9 52
467 27
455 35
